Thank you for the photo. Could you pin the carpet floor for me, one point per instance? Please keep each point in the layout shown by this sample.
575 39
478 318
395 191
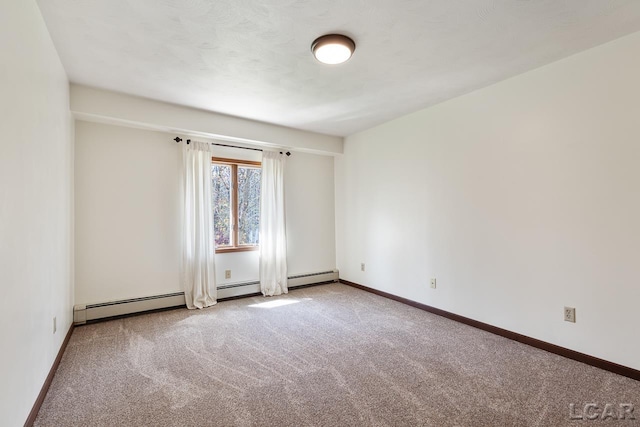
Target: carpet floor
328 355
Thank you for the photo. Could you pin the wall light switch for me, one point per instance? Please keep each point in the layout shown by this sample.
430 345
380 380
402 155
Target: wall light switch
433 283
227 274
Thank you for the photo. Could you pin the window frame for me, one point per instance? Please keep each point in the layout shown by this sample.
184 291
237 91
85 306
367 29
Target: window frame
234 237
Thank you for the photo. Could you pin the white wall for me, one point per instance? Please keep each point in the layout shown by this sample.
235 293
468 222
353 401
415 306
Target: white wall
310 213
128 214
35 208
127 230
519 198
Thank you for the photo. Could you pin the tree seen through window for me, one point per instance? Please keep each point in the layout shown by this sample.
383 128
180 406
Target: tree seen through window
236 204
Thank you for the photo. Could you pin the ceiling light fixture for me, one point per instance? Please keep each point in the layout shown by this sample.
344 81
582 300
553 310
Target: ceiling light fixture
333 48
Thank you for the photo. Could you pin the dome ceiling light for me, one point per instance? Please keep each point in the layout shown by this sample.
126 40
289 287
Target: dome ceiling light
333 48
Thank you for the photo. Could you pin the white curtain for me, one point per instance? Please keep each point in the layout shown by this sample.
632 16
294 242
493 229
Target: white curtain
198 247
273 238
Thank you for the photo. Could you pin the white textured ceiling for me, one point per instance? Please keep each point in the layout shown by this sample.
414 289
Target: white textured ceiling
250 58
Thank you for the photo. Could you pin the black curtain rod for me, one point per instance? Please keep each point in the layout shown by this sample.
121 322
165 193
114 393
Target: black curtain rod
178 140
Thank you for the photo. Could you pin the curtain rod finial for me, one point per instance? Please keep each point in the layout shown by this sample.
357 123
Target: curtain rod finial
177 139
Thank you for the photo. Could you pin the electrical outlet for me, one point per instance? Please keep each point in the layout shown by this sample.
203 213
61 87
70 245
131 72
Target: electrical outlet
433 283
55 326
570 314
227 274
362 266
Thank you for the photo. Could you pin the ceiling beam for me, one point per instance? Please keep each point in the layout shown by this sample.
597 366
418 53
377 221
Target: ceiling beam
98 105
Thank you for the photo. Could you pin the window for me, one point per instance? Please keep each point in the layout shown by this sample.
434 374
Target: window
236 204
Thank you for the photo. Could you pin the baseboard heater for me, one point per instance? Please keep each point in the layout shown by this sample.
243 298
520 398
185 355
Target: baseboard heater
83 313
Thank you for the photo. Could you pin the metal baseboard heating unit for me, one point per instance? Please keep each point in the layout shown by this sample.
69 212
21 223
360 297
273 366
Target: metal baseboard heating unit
84 313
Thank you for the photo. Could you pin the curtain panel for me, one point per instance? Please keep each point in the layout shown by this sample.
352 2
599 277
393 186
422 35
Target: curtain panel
197 272
273 238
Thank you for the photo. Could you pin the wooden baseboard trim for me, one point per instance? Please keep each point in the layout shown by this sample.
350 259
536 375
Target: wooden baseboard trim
47 382
533 342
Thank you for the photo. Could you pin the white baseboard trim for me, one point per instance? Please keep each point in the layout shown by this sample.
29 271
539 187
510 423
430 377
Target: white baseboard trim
83 313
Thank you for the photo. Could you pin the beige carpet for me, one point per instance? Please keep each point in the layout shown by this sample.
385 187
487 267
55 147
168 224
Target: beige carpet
329 355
